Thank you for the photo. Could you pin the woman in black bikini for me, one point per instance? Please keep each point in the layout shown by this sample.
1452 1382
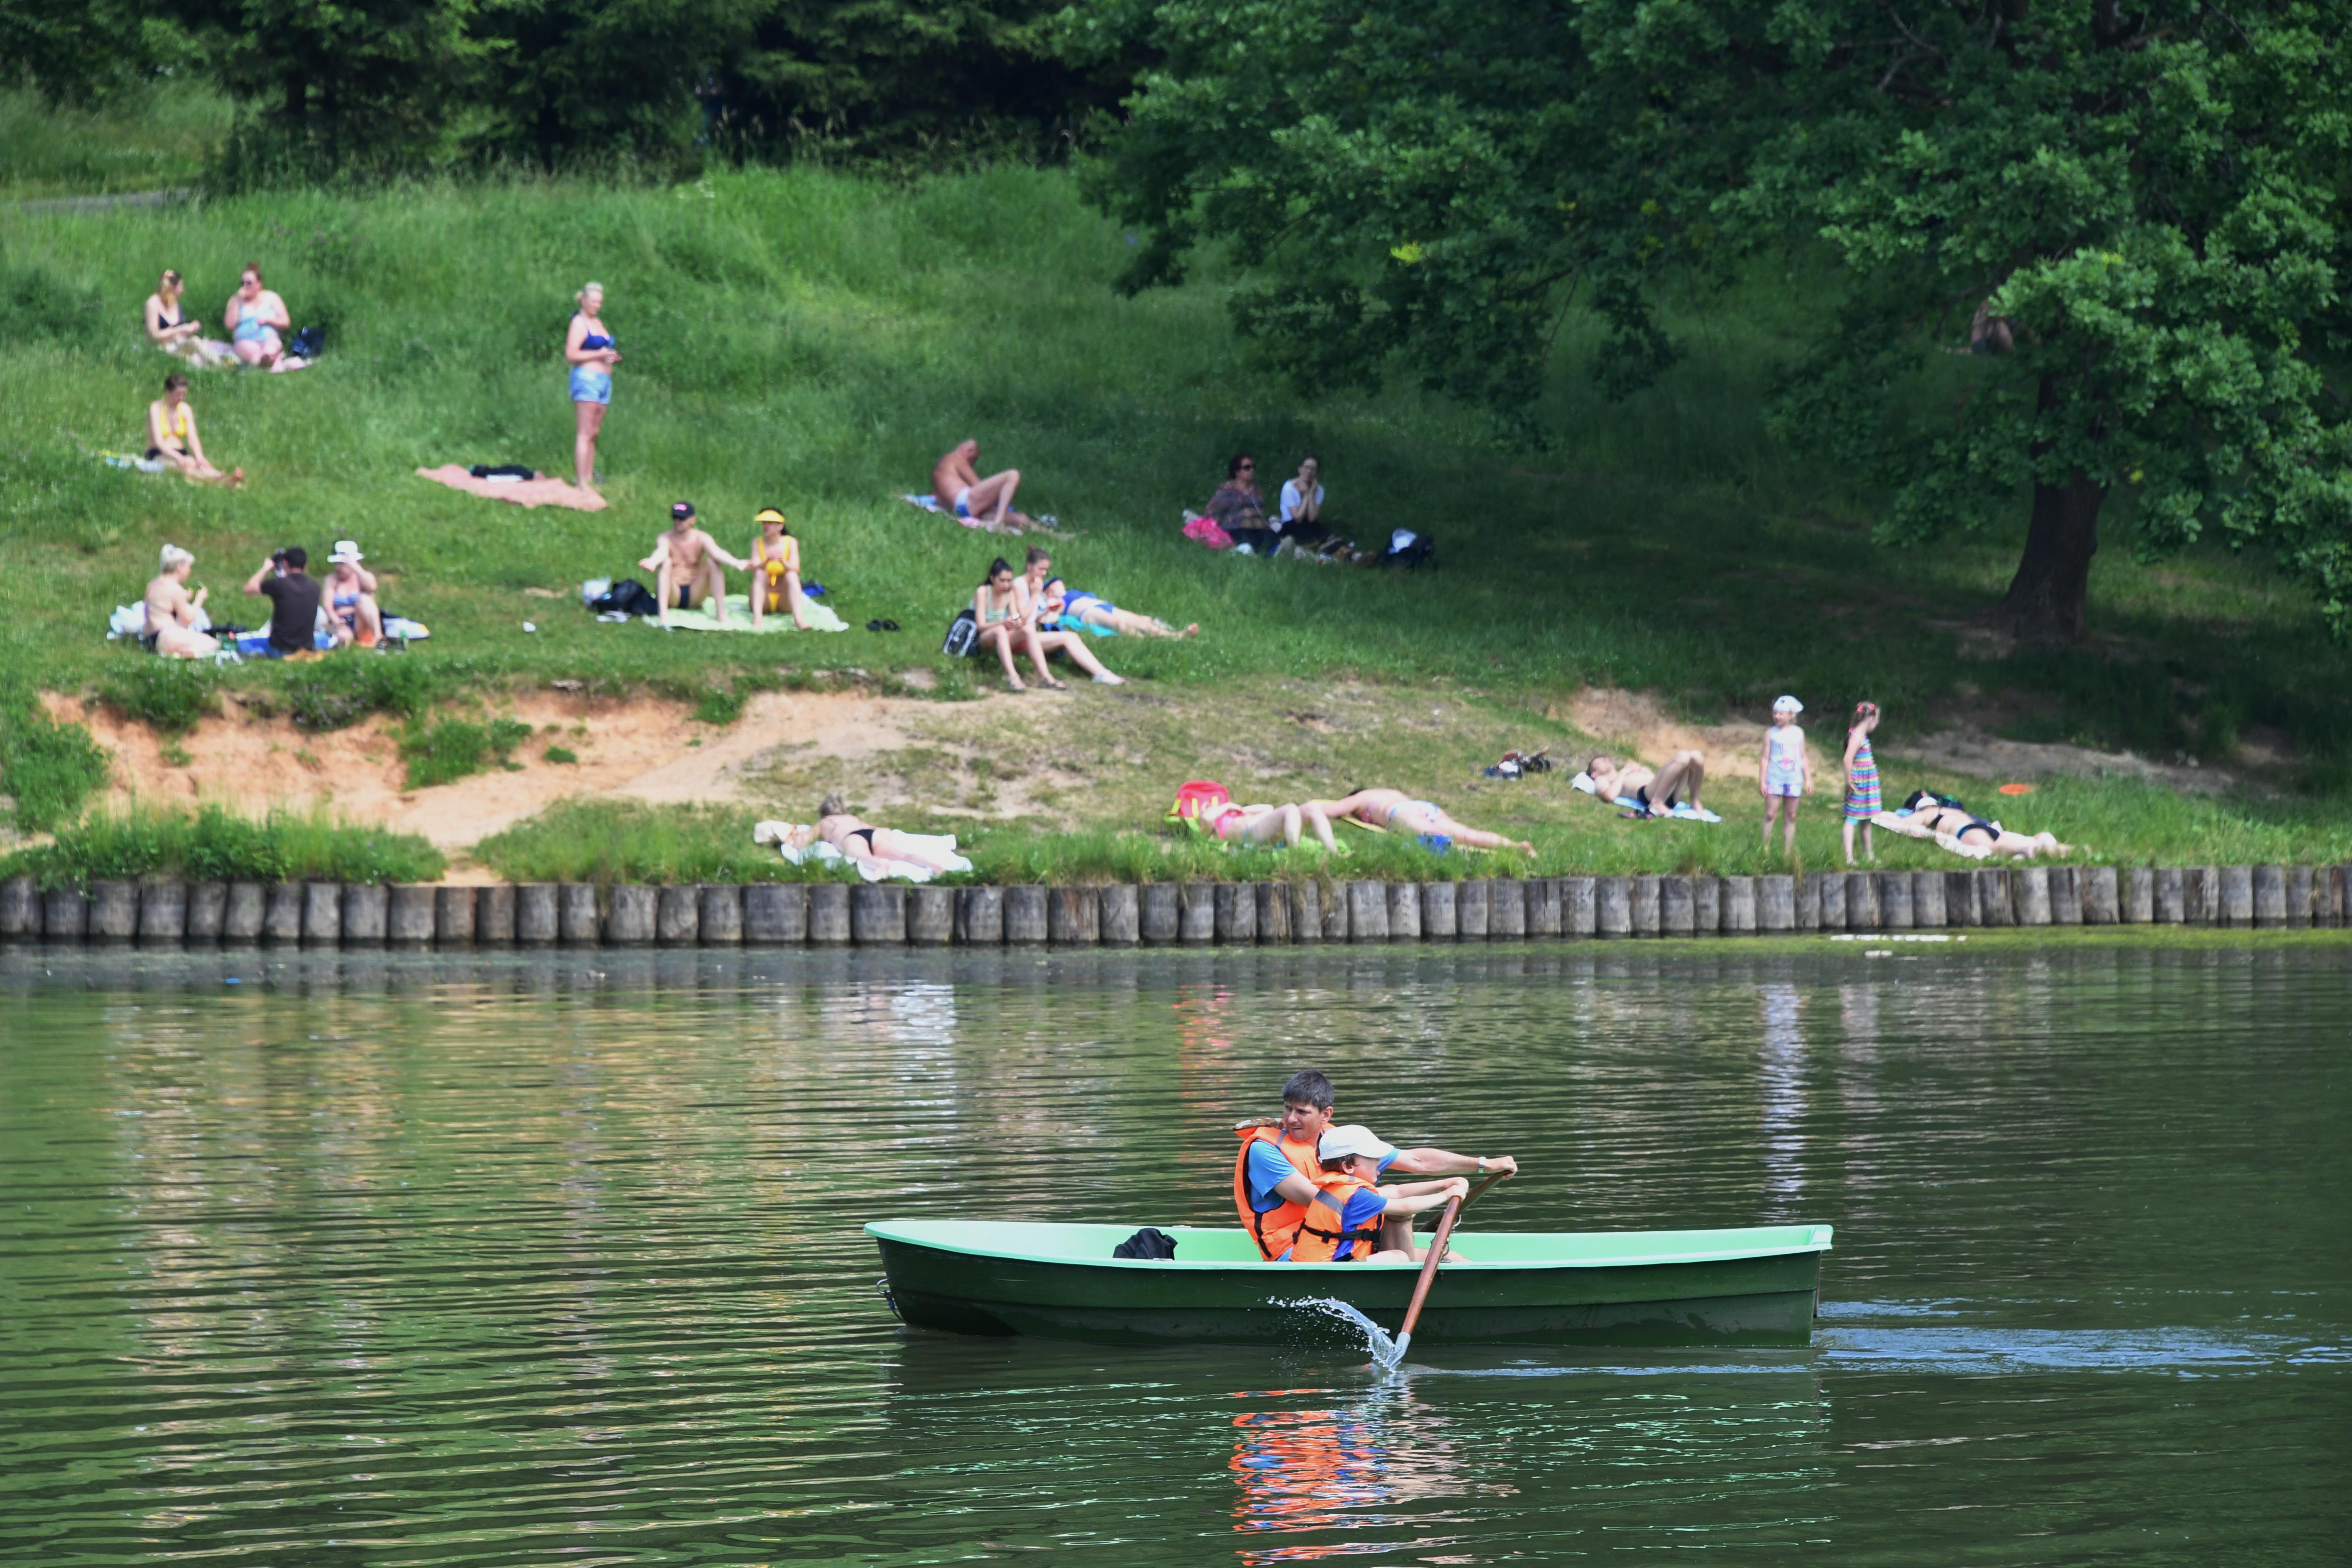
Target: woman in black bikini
1963 826
861 840
169 329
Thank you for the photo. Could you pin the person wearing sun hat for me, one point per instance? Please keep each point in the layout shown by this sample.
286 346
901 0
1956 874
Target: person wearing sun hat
353 616
1353 1158
1783 772
776 570
685 563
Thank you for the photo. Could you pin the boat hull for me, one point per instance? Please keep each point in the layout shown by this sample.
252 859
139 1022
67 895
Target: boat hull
1764 1299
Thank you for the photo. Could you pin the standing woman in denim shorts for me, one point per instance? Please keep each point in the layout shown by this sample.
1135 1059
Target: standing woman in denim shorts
588 348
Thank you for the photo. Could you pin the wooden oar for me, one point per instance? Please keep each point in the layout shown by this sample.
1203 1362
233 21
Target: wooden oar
1428 1274
1483 1186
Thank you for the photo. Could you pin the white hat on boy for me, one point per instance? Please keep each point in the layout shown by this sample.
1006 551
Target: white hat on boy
1341 1143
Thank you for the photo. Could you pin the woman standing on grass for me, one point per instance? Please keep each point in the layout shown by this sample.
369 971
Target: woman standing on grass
588 350
1861 779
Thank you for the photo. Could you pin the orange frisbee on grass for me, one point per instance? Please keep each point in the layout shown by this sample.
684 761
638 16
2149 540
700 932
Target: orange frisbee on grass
2017 789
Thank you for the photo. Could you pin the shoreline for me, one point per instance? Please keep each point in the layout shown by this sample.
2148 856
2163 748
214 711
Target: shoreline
1175 914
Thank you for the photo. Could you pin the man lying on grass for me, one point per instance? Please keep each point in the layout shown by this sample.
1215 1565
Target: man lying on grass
1655 790
685 564
1389 811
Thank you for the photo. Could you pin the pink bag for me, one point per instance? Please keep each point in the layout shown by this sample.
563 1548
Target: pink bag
1205 531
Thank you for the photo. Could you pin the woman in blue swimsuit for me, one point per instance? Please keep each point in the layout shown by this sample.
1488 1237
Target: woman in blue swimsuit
1105 619
588 349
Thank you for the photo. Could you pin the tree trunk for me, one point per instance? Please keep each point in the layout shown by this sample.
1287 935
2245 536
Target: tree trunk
2045 599
298 98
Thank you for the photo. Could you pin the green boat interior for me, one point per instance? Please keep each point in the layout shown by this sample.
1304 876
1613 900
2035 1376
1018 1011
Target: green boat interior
1046 1243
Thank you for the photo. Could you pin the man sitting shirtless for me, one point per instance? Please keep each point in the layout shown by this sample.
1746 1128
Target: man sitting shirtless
984 504
1655 790
685 564
1389 809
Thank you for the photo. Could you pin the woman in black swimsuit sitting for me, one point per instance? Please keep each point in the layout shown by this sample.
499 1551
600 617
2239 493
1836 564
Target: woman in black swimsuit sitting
169 329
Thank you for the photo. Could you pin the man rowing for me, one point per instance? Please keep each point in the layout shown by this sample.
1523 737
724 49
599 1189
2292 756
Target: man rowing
1286 1198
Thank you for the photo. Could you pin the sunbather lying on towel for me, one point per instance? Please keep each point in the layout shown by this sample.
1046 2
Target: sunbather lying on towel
1961 830
1660 790
1266 824
1389 810
861 840
1073 607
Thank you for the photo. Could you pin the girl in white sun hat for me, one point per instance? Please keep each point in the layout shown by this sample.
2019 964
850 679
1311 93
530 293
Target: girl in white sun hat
350 599
1783 772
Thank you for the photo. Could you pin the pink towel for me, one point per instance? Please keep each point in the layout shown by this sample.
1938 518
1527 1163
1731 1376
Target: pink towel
523 492
1205 530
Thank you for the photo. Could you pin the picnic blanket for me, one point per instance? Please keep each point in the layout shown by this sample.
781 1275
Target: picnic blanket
1682 810
739 618
538 492
879 870
1903 822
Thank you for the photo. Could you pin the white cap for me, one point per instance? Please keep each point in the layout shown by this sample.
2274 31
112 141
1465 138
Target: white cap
1341 1142
346 550
1787 704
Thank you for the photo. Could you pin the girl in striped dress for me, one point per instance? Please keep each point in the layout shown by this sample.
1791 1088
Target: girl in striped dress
1861 779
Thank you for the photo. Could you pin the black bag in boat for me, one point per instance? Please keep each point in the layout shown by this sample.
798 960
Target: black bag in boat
1149 1243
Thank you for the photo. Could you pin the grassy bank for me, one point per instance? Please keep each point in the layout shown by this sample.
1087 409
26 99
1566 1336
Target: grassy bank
214 846
813 341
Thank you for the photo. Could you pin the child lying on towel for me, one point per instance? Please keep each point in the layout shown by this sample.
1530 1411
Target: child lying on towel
1953 827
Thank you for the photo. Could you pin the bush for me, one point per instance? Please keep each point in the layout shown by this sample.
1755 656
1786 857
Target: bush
216 845
336 693
36 304
455 747
49 768
169 695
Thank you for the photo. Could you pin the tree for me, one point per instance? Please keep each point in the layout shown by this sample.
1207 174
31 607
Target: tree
2148 200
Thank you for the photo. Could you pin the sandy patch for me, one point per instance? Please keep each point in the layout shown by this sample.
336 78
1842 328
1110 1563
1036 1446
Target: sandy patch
1635 721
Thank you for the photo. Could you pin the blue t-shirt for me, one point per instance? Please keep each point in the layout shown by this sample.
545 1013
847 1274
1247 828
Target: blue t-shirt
1267 1166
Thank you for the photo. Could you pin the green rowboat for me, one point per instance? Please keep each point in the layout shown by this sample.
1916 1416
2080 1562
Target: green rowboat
1753 1286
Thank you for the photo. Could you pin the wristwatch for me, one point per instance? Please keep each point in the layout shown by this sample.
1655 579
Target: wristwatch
1482 1165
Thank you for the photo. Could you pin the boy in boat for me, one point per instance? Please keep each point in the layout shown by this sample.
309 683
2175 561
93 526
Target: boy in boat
1353 1160
1278 1177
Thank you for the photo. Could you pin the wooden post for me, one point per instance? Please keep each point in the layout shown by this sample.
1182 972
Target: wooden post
453 917
877 914
2136 903
1507 910
630 914
1706 905
578 922
1404 911
367 908
2169 898
1305 910
1117 916
1927 911
1234 905
2298 895
20 906
1073 916
1471 910
1024 915
1615 898
2266 891
1273 912
1893 893
931 916
1775 904
2100 889
775 914
65 914
720 920
1995 894
243 911
113 912
1335 912
1739 906
828 914
163 910
1677 907
677 916
2065 896
2237 896
1579 906
536 922
1643 902
1861 901
1832 886
208 910
408 915
1543 906
1438 917
494 915
322 913
1368 911
281 918
1808 903
1198 913
2029 886
1159 913
980 916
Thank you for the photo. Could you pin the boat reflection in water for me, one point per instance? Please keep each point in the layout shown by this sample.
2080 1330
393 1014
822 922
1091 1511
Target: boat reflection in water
1345 1461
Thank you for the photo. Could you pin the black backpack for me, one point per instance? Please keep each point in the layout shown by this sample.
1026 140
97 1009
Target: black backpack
1422 552
1147 1243
963 634
307 343
629 596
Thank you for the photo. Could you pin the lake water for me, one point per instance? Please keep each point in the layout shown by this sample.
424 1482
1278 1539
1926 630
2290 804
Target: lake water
332 1260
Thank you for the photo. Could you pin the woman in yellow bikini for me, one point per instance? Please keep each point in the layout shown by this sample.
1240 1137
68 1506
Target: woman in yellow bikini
172 436
776 571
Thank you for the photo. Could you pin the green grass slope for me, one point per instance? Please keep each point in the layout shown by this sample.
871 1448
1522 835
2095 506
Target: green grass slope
815 341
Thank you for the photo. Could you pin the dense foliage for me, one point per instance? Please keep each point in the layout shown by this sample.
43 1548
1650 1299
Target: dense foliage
400 84
2146 202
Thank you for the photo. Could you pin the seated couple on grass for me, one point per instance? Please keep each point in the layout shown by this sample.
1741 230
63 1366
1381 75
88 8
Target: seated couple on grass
1306 1191
308 615
686 563
1006 614
1390 811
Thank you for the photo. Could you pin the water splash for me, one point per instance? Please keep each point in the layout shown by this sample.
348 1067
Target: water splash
1385 1351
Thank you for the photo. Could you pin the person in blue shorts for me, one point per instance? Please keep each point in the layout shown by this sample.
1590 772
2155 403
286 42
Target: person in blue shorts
588 349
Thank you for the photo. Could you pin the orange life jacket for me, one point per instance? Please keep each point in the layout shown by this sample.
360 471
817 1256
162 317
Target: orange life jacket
1309 1233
